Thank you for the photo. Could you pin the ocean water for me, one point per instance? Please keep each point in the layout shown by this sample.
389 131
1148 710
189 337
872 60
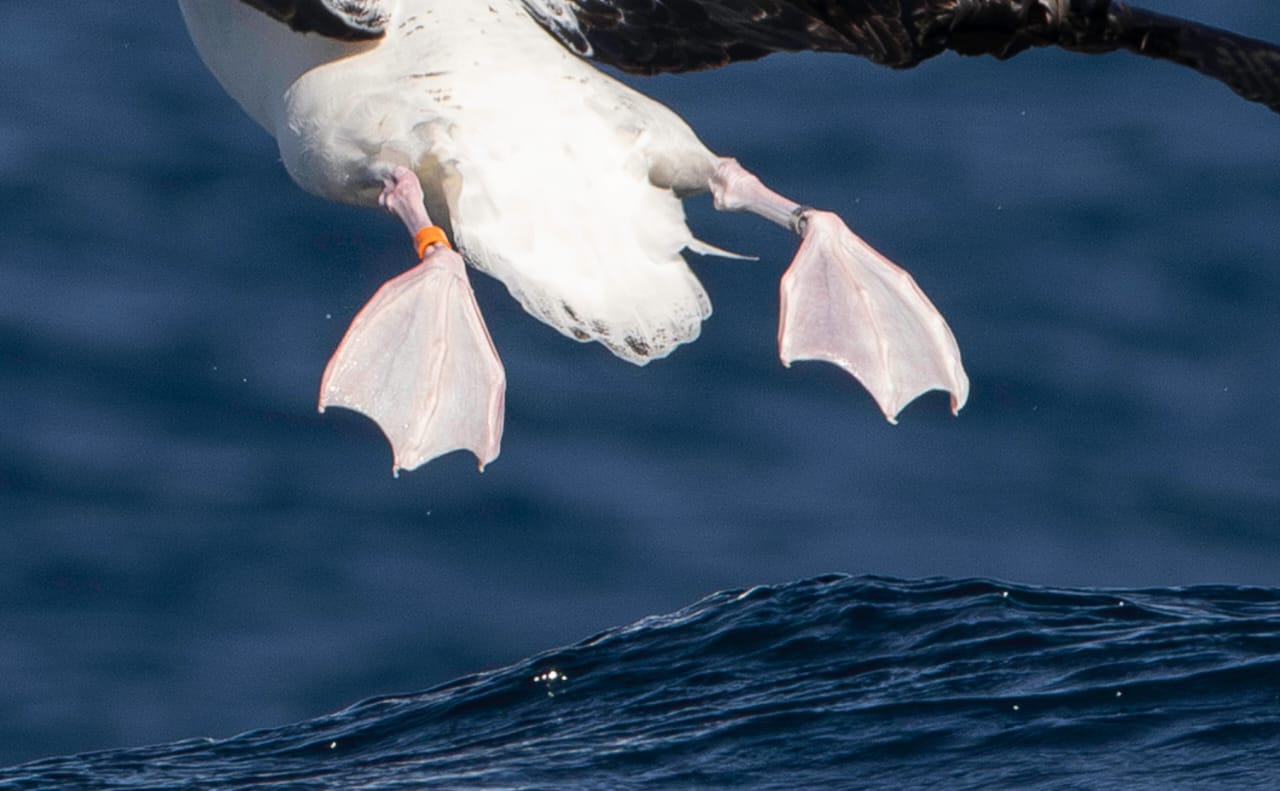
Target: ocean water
188 550
835 682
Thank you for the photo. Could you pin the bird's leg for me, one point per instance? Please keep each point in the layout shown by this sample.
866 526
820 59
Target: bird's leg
418 358
844 303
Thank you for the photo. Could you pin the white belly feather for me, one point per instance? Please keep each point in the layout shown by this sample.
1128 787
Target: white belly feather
542 167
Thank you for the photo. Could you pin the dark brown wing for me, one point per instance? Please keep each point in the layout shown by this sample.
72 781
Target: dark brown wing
653 36
345 20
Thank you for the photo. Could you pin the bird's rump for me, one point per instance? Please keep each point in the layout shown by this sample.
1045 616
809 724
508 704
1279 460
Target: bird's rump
593 250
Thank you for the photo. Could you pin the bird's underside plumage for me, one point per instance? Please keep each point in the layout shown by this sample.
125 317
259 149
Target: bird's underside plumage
485 117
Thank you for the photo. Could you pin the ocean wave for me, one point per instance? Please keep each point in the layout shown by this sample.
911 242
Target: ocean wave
832 682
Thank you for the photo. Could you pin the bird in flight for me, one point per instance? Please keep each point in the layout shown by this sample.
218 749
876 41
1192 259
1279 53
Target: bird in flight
486 128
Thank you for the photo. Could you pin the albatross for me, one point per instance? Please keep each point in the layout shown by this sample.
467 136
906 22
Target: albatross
486 127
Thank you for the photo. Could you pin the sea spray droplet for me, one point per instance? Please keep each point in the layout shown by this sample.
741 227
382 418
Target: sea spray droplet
550 678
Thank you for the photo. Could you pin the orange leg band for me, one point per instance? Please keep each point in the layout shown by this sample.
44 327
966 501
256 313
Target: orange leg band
427 236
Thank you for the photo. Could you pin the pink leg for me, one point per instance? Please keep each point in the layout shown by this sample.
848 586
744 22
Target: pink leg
844 303
417 358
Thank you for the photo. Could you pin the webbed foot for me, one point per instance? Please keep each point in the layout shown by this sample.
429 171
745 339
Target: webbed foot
844 303
417 358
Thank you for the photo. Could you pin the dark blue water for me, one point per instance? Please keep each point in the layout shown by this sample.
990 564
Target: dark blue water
188 550
836 682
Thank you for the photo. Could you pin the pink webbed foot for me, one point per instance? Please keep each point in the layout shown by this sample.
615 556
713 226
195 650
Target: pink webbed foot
417 358
844 303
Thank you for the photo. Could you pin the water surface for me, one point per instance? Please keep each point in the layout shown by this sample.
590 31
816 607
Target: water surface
189 550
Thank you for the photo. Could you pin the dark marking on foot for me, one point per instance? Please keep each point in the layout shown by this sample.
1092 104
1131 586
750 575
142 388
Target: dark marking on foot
580 334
